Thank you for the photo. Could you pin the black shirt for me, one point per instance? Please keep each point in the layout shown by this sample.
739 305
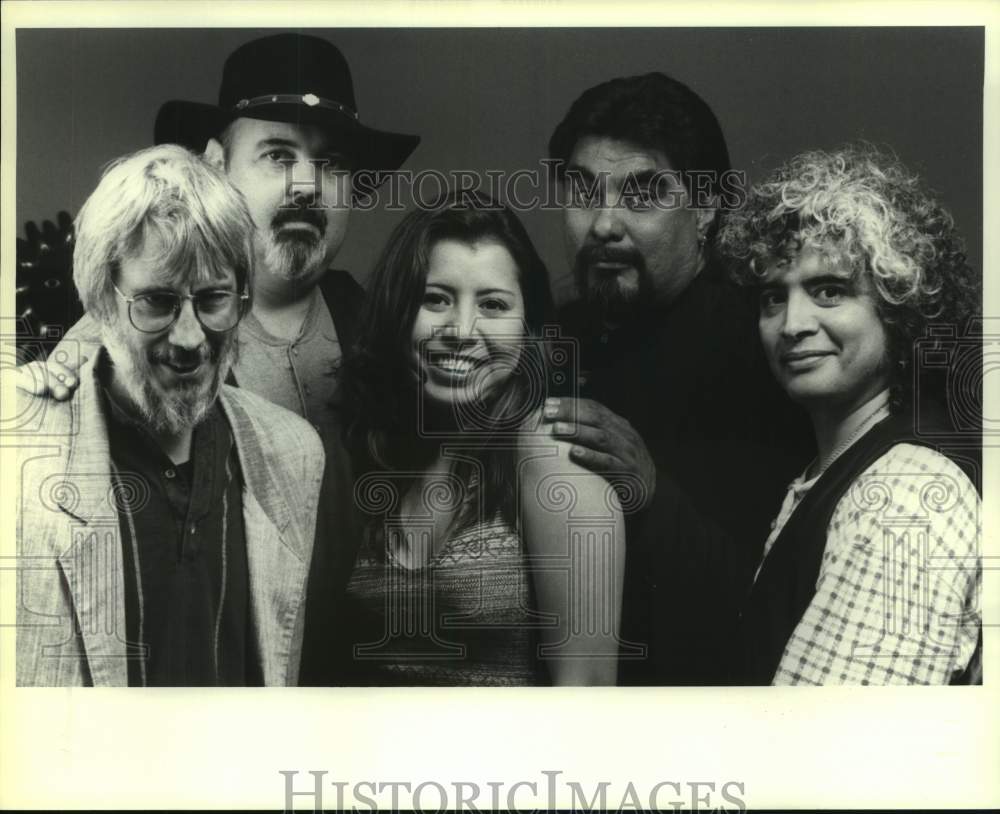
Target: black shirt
187 595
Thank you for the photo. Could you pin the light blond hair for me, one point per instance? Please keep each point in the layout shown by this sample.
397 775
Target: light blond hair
199 218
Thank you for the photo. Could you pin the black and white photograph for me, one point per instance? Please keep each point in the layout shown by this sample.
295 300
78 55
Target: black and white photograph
642 363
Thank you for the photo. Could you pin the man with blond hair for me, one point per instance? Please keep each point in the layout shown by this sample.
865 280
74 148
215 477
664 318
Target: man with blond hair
166 534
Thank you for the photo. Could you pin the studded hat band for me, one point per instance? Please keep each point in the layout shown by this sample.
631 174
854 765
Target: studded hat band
307 99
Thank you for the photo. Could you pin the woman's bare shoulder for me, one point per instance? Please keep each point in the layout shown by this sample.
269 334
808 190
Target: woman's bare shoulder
537 446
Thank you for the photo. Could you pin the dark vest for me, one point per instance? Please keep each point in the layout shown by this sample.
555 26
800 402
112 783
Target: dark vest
787 581
345 299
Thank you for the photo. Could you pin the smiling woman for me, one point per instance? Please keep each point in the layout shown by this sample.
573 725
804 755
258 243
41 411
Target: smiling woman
871 573
469 331
470 572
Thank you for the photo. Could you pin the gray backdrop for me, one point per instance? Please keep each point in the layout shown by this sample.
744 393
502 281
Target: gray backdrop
489 99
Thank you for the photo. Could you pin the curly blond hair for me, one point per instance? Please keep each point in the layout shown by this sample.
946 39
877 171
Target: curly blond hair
863 206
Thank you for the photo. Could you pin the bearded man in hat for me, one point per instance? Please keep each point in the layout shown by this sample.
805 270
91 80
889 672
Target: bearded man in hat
287 133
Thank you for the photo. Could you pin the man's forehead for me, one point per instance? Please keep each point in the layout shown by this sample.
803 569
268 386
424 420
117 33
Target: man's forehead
153 263
618 157
246 132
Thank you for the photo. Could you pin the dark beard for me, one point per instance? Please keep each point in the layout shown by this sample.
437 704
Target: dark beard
602 291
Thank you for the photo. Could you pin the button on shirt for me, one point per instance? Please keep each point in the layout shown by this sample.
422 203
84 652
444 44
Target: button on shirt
187 596
797 490
299 374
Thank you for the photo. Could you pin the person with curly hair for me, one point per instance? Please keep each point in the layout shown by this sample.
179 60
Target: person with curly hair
489 556
871 573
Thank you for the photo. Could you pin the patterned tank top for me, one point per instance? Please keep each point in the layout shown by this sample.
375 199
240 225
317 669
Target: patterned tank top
464 618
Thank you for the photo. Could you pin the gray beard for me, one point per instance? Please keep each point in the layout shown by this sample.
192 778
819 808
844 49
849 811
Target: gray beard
165 412
291 259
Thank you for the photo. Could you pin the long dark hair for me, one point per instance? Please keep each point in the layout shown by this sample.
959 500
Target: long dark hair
384 427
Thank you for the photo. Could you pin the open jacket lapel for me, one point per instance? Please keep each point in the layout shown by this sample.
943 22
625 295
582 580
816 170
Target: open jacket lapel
92 563
82 492
277 560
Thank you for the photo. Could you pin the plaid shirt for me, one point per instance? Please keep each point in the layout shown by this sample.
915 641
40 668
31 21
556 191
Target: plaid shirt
897 597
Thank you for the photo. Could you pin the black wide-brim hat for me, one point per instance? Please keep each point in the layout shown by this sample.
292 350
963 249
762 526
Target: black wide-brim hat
290 78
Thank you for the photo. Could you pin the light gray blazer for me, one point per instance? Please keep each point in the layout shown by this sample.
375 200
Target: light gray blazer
71 609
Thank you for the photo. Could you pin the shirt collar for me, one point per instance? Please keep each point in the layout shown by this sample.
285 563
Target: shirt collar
252 325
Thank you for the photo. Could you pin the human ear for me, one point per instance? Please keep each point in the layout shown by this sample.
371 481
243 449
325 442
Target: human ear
214 154
704 218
